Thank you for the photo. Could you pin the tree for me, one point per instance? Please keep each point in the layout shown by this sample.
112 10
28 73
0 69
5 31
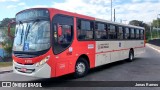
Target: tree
5 21
156 23
136 23
7 42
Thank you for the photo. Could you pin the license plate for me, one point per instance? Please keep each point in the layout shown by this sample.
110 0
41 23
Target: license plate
23 69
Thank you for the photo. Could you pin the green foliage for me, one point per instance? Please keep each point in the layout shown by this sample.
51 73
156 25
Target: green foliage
5 64
7 42
136 23
156 23
5 21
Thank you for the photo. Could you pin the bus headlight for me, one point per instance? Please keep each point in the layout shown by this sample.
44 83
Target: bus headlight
43 61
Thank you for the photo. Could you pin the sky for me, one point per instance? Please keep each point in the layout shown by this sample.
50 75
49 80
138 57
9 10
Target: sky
126 10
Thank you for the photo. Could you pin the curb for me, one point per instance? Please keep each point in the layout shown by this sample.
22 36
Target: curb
6 69
2 72
154 47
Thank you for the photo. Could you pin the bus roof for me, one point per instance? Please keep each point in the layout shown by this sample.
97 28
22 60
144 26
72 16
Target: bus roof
106 21
96 19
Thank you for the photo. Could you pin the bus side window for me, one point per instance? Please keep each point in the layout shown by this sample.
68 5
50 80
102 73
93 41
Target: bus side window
62 32
137 34
142 34
132 33
112 32
100 31
120 33
67 34
126 35
85 29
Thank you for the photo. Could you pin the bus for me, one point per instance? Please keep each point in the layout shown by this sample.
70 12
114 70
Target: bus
50 43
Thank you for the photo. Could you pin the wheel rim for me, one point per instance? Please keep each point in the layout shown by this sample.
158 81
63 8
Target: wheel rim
131 56
80 68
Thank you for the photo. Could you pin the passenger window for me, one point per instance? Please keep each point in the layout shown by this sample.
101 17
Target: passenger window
66 36
132 33
85 29
120 33
127 35
112 32
142 34
62 33
101 31
137 34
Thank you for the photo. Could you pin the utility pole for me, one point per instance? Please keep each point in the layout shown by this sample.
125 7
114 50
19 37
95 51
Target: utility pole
114 15
111 10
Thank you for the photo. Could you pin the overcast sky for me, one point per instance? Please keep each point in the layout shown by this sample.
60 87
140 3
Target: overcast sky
143 10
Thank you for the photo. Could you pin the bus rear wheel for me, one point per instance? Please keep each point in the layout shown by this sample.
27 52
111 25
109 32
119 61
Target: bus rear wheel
81 68
131 56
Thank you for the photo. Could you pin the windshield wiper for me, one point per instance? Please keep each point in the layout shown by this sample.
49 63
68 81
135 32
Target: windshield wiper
29 27
22 33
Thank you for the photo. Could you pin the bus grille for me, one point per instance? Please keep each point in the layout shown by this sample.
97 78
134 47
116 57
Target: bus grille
25 55
27 70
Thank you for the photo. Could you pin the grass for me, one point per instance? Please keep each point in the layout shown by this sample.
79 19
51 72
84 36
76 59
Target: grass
5 64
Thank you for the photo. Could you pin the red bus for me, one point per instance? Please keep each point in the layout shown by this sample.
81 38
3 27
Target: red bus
49 43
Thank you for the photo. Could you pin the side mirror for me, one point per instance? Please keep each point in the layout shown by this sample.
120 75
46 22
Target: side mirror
9 29
59 30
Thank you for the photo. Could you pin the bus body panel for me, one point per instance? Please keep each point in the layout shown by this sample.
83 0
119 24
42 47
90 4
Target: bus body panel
43 71
112 51
65 61
98 52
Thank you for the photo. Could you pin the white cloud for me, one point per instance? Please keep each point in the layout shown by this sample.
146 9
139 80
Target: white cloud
136 1
11 6
144 11
86 7
9 0
21 4
3 0
36 6
14 0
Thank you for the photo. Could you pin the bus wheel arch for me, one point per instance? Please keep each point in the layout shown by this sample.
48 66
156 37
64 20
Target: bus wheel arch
132 50
82 66
86 57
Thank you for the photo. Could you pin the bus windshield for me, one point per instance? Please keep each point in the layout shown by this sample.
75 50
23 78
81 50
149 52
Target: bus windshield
32 37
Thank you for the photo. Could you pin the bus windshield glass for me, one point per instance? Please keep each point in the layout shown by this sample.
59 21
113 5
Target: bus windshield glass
33 36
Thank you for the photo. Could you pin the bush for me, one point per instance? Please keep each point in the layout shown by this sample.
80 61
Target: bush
7 42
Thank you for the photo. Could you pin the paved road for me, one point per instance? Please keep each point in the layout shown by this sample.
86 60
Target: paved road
144 68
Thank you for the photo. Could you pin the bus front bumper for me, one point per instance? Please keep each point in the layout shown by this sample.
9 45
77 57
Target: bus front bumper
43 71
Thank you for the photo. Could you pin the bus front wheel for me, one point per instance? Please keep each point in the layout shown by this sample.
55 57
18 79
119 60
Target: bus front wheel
81 68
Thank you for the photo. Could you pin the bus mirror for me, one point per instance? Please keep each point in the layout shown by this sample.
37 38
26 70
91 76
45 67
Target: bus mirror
9 28
59 30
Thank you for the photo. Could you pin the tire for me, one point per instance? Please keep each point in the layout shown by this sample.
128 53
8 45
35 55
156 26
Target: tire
131 56
81 68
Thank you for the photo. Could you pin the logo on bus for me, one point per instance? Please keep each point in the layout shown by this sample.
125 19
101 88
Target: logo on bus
103 46
120 44
28 61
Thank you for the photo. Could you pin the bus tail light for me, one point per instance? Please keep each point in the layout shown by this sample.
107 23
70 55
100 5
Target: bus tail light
43 61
